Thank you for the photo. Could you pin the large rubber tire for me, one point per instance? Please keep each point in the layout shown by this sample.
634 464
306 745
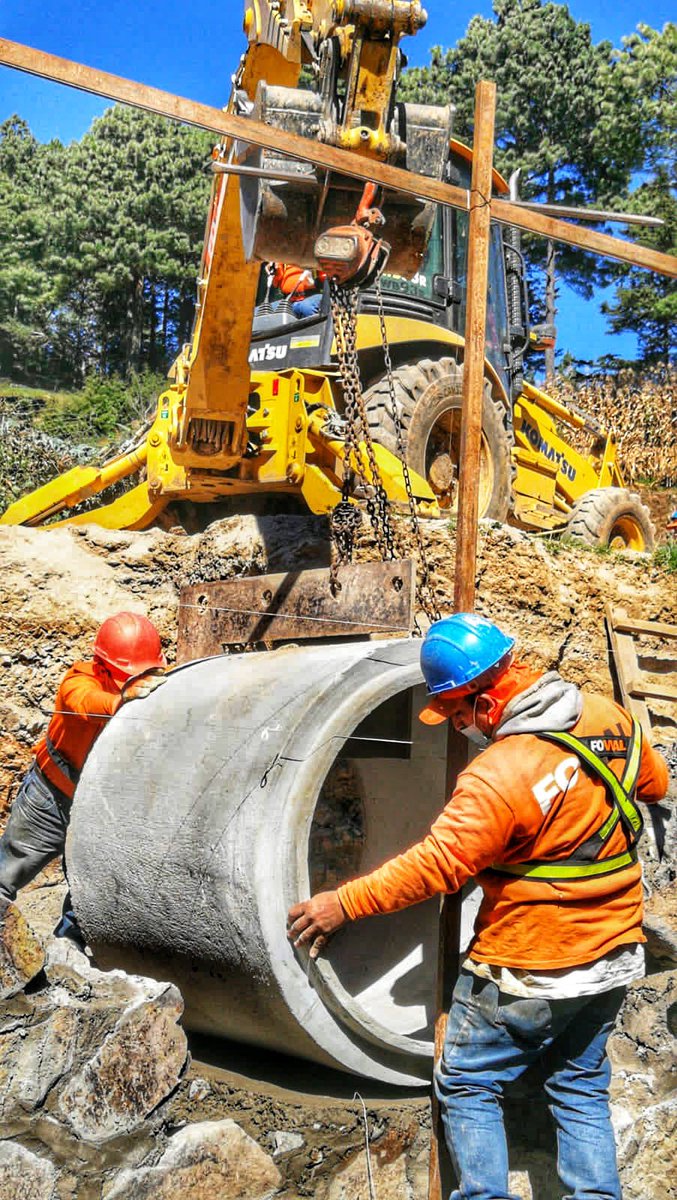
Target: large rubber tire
429 397
613 517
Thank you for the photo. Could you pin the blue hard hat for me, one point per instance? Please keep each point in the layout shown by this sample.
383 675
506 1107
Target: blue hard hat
458 650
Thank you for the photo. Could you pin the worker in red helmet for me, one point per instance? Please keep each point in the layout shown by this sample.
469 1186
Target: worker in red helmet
127 664
546 819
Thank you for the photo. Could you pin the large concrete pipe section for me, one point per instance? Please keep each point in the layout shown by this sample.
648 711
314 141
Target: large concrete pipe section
240 786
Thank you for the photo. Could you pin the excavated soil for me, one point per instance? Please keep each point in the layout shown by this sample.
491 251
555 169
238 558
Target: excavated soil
57 586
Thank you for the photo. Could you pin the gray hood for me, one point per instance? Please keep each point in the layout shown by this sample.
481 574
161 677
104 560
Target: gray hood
549 704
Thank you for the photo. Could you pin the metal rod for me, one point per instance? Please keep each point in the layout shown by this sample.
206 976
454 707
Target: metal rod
245 129
261 173
590 214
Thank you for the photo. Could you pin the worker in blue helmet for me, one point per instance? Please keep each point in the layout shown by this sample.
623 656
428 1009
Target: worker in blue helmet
545 820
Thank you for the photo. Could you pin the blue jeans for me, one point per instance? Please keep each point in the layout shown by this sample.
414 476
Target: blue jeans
492 1038
308 306
35 832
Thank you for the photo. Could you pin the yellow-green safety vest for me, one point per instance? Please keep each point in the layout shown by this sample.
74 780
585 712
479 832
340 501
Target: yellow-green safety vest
585 861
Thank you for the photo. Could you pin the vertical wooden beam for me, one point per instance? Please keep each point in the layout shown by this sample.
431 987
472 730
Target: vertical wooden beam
475 331
466 530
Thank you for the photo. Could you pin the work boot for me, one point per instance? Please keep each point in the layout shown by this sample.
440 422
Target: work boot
69 928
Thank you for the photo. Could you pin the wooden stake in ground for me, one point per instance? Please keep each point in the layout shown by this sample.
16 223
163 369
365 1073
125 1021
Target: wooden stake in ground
467 526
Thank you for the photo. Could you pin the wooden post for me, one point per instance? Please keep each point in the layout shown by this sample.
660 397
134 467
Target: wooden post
467 525
475 330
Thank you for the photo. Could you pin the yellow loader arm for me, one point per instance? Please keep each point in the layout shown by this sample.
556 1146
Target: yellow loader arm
207 402
130 511
199 437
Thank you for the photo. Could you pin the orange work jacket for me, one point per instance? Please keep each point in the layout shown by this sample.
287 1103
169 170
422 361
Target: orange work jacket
296 280
525 798
86 699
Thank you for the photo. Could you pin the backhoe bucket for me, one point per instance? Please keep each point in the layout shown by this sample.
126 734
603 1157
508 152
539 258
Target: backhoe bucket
281 221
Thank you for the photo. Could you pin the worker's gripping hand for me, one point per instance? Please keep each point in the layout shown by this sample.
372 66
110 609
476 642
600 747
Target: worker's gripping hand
140 686
312 922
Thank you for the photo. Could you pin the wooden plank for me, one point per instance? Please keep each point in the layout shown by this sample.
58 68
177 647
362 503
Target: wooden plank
102 83
375 598
658 629
625 659
628 673
479 236
585 239
652 691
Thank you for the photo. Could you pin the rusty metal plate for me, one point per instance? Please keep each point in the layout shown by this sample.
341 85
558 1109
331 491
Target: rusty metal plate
375 598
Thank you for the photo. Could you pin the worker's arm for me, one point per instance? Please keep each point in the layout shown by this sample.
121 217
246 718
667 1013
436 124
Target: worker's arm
470 834
84 695
652 781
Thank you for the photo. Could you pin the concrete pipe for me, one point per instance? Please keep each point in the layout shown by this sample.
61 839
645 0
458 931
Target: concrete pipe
240 786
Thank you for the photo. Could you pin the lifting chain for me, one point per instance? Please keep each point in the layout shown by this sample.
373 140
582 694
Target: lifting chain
425 594
346 517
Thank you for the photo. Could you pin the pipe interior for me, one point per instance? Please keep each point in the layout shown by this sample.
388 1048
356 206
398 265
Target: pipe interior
379 797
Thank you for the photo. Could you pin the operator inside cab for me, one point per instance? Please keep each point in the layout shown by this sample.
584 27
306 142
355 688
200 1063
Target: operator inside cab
301 288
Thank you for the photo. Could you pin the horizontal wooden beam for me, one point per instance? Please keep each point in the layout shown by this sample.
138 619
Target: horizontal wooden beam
657 629
190 112
646 690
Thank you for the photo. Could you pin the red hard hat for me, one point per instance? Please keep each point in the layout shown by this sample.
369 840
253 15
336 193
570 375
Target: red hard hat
129 643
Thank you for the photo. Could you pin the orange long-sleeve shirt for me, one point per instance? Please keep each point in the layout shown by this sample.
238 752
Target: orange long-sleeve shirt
494 816
296 281
87 698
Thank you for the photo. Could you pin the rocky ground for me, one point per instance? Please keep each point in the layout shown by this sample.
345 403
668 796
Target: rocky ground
235 1123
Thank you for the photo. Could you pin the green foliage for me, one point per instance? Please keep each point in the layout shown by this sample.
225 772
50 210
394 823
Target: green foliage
28 458
557 110
100 246
580 119
665 557
647 302
107 407
25 288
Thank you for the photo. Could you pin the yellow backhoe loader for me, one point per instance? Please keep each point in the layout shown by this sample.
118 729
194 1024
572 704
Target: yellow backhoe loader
362 399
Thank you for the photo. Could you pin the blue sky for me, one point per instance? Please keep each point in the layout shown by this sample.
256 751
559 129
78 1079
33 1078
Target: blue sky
192 49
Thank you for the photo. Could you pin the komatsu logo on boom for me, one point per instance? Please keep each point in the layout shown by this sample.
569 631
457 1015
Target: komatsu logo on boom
267 353
539 443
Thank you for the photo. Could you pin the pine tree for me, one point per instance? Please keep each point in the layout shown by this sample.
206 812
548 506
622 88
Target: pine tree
644 302
560 118
132 217
25 291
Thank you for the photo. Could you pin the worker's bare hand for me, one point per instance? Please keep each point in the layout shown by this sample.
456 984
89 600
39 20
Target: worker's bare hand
312 922
140 686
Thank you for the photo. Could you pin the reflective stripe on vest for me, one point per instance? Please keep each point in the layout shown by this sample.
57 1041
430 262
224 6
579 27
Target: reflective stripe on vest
584 862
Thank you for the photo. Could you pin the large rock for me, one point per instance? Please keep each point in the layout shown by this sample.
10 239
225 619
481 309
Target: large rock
213 1160
25 1176
137 1066
98 1051
21 955
46 1054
